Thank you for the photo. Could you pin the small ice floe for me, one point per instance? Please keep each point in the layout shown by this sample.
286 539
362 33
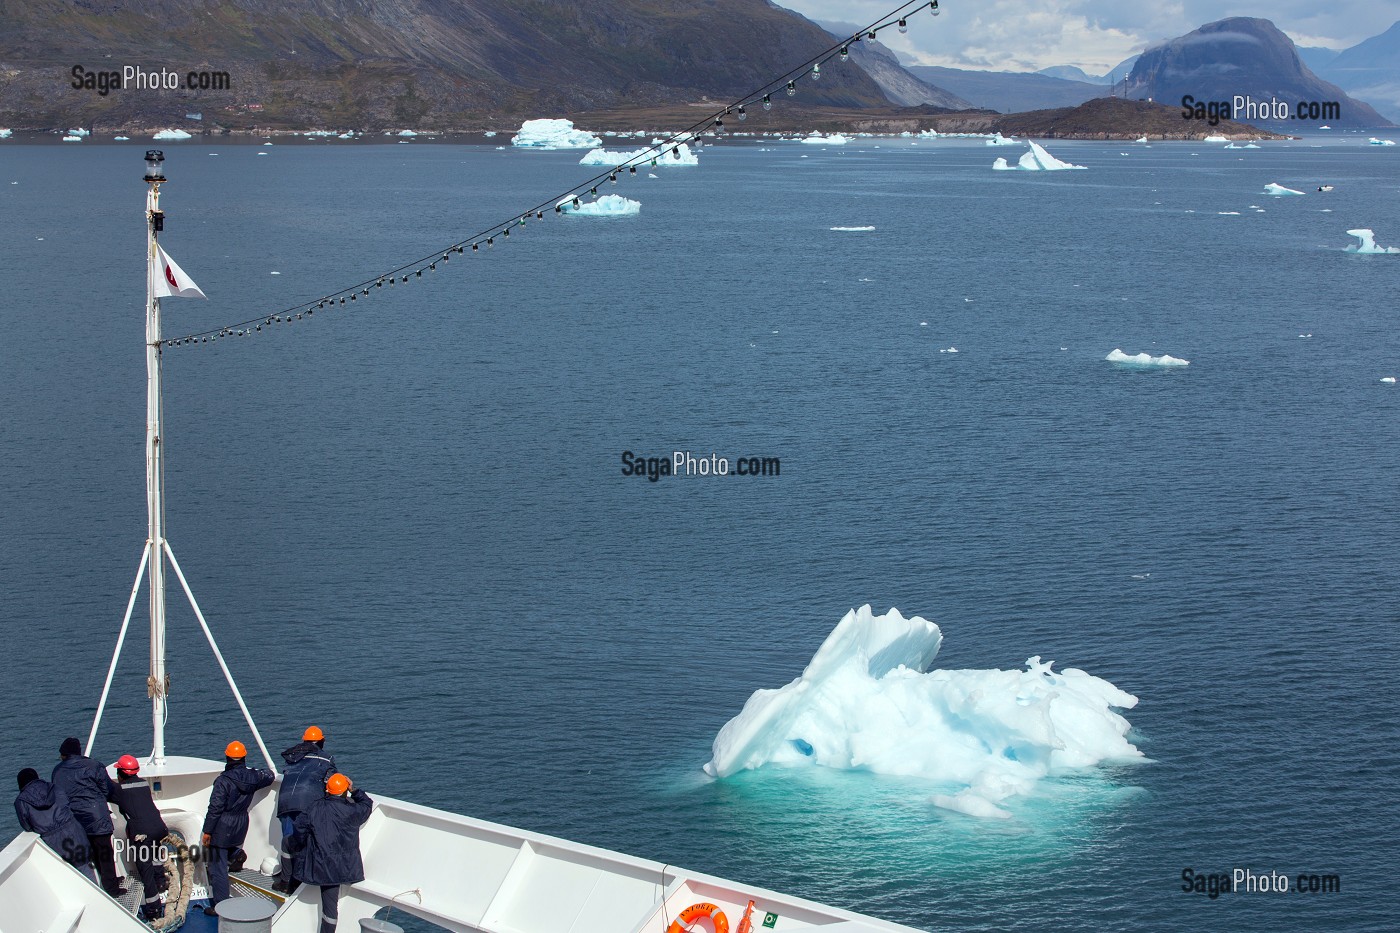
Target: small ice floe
262 153
172 134
1228 213
1143 361
267 144
274 273
1368 243
1381 142
852 229
1305 336
652 175
1215 139
609 205
1279 190
5 132
1324 187
120 139
407 133
1140 139
1325 210
1388 379
1035 160
1000 140
923 323
72 139
1141 576
949 350
553 134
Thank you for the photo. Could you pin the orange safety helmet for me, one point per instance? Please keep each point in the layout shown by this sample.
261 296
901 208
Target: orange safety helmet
235 750
128 764
337 784
313 734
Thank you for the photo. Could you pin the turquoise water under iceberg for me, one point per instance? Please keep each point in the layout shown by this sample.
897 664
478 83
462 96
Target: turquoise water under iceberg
409 523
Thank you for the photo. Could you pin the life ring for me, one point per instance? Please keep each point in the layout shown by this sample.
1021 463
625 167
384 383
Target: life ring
694 912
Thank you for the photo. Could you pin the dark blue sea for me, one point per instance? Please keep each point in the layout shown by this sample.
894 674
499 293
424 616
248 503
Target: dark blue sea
407 521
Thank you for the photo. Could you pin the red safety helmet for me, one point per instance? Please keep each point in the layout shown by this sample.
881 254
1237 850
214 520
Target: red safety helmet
128 765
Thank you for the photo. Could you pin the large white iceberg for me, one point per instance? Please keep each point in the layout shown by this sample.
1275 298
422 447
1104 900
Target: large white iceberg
171 134
1381 142
609 205
553 134
1144 360
1000 140
664 155
1214 138
1278 190
817 139
1368 243
1034 160
5 132
869 700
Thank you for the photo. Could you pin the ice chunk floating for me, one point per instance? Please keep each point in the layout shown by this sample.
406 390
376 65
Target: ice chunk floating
553 134
609 205
1036 160
1368 243
1144 361
1278 190
674 155
868 700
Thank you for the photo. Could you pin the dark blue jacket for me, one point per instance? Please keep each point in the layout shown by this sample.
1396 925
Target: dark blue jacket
229 799
86 785
43 809
304 779
326 840
133 797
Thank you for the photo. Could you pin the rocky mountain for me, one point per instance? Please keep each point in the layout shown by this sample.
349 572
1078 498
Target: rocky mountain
1245 57
899 85
399 63
1370 70
1075 73
1009 91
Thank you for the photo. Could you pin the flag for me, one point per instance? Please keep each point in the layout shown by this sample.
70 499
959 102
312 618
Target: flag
168 280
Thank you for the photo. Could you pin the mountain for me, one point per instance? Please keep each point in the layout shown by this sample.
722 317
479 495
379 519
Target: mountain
1009 91
401 63
1318 58
1116 118
1075 73
1244 57
899 85
1371 70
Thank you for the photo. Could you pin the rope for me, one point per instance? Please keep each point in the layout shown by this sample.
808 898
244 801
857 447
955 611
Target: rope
179 874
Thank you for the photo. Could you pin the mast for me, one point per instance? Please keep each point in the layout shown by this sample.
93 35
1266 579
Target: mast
156 682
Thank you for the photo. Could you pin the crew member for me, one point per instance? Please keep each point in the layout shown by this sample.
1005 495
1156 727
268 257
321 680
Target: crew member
226 823
303 783
326 843
86 785
145 833
43 809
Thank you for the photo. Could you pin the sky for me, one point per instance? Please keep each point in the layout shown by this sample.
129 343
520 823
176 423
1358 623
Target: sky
1027 35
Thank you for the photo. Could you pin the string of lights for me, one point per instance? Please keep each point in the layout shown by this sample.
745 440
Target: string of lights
669 147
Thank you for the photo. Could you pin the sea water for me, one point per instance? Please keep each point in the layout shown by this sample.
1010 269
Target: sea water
408 522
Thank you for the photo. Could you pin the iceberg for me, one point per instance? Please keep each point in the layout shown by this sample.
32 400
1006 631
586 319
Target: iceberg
682 155
1215 139
72 139
553 134
80 132
1388 379
5 132
609 205
1035 160
1368 243
1142 360
1000 140
870 700
1381 142
407 133
172 134
817 139
1140 139
853 229
1278 190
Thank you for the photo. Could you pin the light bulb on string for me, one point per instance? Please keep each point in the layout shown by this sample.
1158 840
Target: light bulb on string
792 89
816 72
845 53
742 115
870 34
903 26
933 8
767 102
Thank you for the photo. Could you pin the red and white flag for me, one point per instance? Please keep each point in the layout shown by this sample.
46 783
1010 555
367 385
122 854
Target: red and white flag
168 280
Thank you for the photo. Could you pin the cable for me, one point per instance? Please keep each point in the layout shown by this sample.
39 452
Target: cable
788 81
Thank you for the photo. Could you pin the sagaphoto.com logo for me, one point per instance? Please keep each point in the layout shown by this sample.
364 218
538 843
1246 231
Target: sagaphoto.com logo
141 78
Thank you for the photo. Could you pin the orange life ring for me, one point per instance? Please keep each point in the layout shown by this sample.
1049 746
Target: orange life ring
694 912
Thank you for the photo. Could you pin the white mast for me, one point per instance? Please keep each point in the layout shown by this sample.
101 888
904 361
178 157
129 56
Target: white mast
156 683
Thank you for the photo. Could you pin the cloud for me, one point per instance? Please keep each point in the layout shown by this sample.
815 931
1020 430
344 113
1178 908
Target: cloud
1026 35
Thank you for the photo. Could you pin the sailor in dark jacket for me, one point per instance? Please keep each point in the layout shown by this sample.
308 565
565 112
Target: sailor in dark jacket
326 843
145 833
226 823
86 785
303 783
43 809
